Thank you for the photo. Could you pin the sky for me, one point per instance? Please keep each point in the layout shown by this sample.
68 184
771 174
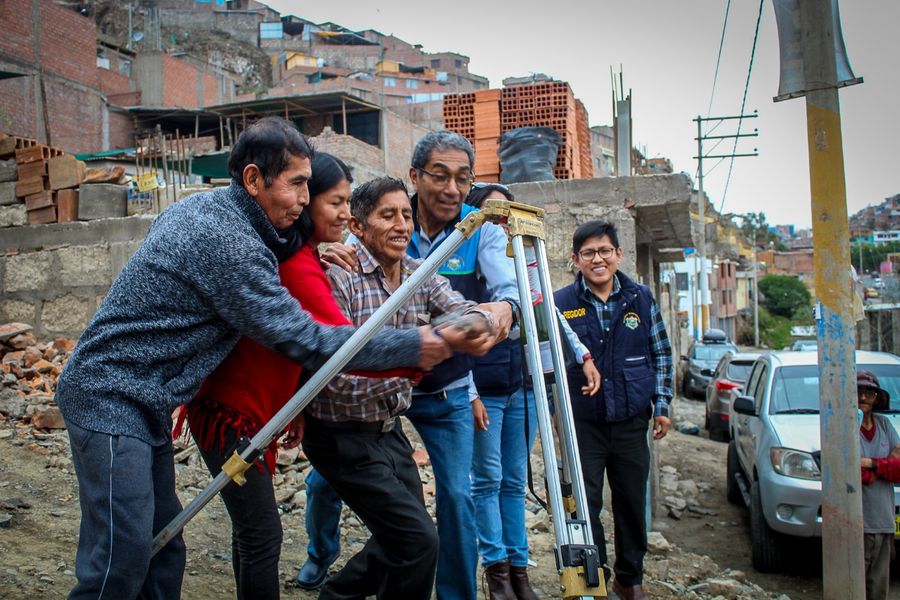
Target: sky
667 51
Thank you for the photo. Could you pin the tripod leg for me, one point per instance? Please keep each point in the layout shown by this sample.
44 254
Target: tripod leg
576 557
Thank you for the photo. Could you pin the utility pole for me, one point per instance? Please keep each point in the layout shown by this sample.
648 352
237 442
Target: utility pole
842 531
822 68
755 298
701 201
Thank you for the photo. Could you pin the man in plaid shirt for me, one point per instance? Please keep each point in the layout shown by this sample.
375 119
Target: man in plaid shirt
620 323
353 435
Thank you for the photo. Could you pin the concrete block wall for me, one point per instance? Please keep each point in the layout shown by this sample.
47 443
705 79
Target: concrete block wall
569 204
61 272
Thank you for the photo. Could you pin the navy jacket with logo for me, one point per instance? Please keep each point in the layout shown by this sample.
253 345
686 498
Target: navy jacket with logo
621 353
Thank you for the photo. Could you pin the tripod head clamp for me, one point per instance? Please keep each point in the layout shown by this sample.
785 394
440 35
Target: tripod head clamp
519 219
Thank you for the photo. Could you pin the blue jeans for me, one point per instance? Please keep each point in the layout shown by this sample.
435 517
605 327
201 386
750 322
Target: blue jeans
323 520
126 489
499 467
445 425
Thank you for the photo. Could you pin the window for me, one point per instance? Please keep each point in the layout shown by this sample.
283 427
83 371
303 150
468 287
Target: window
760 392
271 31
738 371
435 63
390 81
412 83
457 63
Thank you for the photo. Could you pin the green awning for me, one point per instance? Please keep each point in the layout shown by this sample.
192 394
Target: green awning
102 155
213 165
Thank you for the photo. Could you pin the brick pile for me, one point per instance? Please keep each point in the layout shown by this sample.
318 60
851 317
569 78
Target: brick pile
51 186
29 370
544 104
46 179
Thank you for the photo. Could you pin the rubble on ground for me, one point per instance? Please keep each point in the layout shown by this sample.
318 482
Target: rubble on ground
29 372
28 420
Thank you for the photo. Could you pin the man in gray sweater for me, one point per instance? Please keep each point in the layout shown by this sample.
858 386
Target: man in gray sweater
205 275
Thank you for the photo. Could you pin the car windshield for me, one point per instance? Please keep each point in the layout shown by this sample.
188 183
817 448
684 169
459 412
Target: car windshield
738 371
804 346
795 389
712 352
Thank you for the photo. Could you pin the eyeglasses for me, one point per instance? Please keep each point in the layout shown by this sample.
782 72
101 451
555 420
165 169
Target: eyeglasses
589 254
866 393
463 181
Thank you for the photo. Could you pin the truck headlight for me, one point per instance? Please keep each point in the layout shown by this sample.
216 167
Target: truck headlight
794 463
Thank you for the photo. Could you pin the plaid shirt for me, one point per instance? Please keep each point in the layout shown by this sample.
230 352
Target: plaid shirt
359 295
660 350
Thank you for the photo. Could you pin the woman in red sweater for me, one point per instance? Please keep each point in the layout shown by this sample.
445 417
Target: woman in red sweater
253 383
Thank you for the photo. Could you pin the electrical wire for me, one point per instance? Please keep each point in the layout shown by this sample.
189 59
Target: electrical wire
718 58
716 77
743 105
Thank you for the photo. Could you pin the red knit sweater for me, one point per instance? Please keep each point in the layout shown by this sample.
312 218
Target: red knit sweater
253 383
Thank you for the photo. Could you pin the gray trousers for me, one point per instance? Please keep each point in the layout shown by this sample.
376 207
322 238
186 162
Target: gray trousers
878 548
126 489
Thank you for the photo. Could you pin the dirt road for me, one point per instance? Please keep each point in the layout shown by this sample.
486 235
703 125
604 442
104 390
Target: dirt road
709 554
725 537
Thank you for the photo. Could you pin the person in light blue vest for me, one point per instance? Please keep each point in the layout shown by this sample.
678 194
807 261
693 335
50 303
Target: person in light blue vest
620 323
442 172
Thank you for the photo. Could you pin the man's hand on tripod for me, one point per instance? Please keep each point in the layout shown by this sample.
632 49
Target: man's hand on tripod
471 333
503 318
435 349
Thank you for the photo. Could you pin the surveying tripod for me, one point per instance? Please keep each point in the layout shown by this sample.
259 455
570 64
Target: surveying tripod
577 558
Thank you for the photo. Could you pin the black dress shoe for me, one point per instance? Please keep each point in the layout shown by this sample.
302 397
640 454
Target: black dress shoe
311 576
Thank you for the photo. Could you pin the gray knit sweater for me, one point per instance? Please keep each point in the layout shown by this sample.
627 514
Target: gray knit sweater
205 275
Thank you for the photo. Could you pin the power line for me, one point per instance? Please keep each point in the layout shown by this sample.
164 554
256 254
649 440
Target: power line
719 59
743 103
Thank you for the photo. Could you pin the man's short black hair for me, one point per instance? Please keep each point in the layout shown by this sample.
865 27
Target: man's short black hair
269 144
594 229
441 140
366 196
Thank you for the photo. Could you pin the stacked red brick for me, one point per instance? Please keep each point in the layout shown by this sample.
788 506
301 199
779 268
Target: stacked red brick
548 104
487 135
476 116
46 178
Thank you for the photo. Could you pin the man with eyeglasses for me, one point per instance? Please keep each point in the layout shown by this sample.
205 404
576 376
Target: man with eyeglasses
620 323
442 173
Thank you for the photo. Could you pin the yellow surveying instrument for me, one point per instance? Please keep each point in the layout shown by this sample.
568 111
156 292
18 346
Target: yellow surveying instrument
577 558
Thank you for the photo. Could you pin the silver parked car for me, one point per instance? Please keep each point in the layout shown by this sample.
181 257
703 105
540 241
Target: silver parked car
726 383
773 465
